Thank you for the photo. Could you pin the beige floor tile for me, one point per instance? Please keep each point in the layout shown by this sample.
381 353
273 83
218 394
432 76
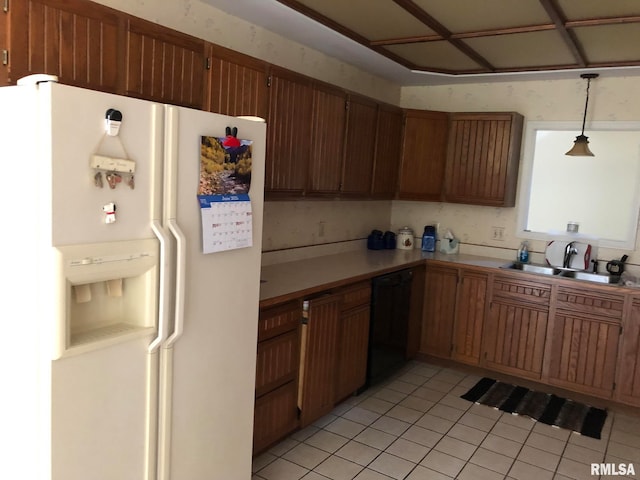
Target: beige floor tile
375 438
314 476
455 401
283 447
403 413
324 421
524 471
455 448
477 421
548 444
485 411
540 458
443 463
439 385
626 438
390 395
423 473
424 370
491 460
302 435
428 393
345 427
550 431
402 387
392 466
361 415
476 472
417 403
469 381
337 468
446 412
458 390
376 405
423 436
598 445
411 451
623 451
359 453
327 441
572 469
467 434
306 456
391 425
412 378
510 432
450 375
282 469
437 424
367 474
501 445
519 421
582 454
262 461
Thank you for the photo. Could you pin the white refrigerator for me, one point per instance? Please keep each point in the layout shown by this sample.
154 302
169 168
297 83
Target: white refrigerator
129 354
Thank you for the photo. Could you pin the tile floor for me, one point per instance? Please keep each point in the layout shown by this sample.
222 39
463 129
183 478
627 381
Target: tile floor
415 426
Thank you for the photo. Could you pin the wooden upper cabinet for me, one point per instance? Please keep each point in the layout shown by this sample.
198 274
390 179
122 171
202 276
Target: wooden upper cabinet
73 39
164 65
360 146
424 154
288 133
327 140
237 84
388 140
483 156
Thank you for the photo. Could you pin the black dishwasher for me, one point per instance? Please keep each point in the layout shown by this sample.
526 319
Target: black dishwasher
390 303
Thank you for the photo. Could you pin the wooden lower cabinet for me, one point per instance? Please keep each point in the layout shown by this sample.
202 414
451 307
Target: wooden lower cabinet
628 372
319 351
276 412
353 341
439 310
515 330
584 339
469 319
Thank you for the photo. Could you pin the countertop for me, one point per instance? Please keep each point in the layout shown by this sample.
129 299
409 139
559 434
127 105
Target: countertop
289 280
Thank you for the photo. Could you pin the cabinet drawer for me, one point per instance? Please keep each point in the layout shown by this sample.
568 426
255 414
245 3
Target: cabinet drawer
279 319
356 295
277 362
275 416
589 302
521 290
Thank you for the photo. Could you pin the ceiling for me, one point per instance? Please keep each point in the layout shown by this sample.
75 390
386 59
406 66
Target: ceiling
452 41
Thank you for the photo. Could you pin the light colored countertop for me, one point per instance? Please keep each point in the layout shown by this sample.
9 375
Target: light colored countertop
284 281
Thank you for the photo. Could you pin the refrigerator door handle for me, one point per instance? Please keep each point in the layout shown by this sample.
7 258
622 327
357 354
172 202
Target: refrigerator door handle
163 298
181 259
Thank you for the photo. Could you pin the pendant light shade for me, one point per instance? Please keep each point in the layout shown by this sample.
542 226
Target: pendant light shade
581 144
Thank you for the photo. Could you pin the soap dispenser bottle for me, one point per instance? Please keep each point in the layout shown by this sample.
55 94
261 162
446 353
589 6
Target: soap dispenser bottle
523 252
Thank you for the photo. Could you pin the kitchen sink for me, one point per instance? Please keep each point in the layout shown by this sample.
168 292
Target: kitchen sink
533 268
563 272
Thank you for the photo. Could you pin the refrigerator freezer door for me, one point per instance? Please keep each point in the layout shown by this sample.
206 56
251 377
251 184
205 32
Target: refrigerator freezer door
210 370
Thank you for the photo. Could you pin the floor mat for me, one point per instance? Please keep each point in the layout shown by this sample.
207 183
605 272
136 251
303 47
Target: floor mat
542 407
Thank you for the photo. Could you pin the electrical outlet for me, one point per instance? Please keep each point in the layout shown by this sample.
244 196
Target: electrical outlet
497 233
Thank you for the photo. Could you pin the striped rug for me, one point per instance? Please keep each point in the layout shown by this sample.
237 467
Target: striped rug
542 407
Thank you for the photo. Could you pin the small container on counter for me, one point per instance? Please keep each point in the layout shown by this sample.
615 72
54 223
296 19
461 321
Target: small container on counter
375 240
429 239
405 239
389 240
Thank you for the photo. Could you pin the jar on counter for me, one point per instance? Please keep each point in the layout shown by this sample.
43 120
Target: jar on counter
405 239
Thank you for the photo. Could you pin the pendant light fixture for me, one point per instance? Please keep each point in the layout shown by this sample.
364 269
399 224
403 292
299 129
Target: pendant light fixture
581 143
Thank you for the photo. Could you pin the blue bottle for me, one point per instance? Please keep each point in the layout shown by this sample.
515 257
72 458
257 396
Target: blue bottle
429 239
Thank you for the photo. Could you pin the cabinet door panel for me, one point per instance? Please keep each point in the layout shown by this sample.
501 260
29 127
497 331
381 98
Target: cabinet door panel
439 310
628 373
583 353
164 65
327 140
470 317
288 134
320 350
388 152
514 339
76 41
359 147
238 84
424 155
276 415
277 362
352 356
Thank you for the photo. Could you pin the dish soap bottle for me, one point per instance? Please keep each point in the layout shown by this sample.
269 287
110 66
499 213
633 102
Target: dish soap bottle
523 252
429 239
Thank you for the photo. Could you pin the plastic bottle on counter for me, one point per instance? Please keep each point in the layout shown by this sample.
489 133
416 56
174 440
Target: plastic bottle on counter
523 252
429 239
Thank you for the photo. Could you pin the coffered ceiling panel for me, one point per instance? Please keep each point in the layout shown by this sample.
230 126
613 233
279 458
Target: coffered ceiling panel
466 37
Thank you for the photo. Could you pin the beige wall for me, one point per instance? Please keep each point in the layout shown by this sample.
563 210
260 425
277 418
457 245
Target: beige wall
559 100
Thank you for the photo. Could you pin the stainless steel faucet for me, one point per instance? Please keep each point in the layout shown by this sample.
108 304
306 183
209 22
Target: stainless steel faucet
569 251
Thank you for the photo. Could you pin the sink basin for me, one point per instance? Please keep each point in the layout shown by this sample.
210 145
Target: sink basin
534 268
563 272
589 276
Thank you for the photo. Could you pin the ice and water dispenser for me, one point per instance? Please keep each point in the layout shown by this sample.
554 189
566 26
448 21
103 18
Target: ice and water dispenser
109 293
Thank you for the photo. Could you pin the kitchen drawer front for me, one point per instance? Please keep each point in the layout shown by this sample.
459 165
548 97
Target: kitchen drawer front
356 295
277 362
589 302
521 290
279 319
276 415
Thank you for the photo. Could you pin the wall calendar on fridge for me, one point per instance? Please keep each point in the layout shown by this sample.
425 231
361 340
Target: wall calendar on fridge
223 194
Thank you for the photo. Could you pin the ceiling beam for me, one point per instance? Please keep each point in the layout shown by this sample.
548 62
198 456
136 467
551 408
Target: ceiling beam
569 38
437 27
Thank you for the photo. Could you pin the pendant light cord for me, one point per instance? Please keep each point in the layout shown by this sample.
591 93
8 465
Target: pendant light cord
586 104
